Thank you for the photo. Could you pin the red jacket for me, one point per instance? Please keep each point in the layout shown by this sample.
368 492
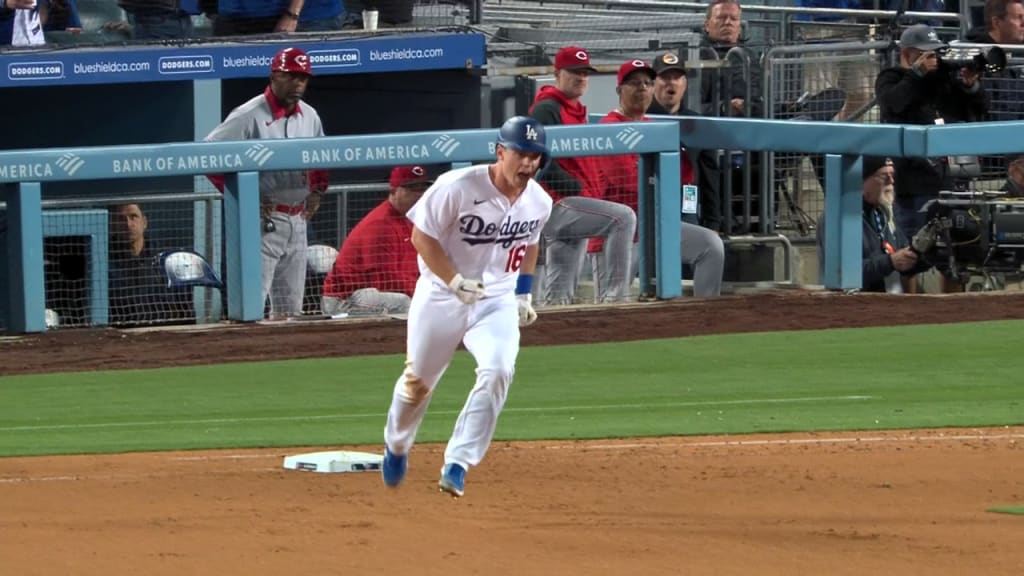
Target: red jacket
378 253
585 169
622 174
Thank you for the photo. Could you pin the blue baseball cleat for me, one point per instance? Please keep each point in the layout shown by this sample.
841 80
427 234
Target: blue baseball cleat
392 469
453 479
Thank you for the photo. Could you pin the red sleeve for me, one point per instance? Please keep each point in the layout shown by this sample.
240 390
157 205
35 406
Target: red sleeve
318 180
686 175
392 257
217 180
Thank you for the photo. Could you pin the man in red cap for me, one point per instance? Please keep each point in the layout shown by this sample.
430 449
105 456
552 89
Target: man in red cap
376 269
701 248
576 185
287 198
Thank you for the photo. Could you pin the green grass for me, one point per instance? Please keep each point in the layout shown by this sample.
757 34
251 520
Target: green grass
875 378
1017 510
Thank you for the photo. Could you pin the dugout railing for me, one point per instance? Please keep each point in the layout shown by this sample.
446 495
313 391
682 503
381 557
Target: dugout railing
842 145
23 173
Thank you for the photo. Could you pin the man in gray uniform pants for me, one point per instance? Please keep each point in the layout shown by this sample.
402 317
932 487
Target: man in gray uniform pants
287 198
576 185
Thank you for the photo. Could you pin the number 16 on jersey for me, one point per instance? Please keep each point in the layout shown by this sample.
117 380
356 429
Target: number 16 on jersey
515 258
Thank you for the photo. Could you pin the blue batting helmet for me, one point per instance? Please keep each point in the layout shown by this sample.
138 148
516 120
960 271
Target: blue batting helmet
524 134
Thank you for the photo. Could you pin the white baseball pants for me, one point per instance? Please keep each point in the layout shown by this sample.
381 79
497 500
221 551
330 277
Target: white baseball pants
437 323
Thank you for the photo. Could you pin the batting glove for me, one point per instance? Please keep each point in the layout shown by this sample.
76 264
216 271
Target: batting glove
467 291
527 315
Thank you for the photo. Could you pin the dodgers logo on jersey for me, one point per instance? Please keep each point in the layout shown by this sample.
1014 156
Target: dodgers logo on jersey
476 231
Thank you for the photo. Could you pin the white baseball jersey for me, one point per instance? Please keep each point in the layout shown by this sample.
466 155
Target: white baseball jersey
484 236
257 120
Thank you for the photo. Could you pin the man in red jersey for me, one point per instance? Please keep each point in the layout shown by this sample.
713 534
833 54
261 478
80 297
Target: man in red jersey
701 248
376 269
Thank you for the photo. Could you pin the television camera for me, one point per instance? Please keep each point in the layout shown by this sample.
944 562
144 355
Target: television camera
970 234
991 60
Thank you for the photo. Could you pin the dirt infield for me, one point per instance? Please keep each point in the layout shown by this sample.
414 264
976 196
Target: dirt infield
909 502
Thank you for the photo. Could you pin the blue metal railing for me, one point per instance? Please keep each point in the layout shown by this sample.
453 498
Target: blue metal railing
241 162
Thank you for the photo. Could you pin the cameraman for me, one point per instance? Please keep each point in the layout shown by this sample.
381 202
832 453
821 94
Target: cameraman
887 261
925 90
1014 176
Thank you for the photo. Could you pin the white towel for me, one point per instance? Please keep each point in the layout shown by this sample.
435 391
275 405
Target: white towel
28 29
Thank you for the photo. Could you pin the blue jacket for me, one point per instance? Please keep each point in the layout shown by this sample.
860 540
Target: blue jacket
841 4
311 10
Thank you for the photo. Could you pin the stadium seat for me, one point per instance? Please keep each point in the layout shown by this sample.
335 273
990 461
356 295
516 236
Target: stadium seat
185 268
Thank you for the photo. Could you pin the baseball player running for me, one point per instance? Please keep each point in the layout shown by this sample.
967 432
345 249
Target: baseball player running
287 198
476 231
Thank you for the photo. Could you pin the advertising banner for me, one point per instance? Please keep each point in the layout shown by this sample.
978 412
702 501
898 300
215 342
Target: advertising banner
399 53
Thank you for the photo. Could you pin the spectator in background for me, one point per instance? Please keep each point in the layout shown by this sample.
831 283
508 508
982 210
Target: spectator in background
1015 176
669 91
722 34
1004 24
240 17
919 91
138 291
887 261
158 19
61 16
915 6
701 248
288 198
376 269
576 185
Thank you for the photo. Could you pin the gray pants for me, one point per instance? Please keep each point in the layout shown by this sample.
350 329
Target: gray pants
284 264
573 221
704 251
701 248
366 301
